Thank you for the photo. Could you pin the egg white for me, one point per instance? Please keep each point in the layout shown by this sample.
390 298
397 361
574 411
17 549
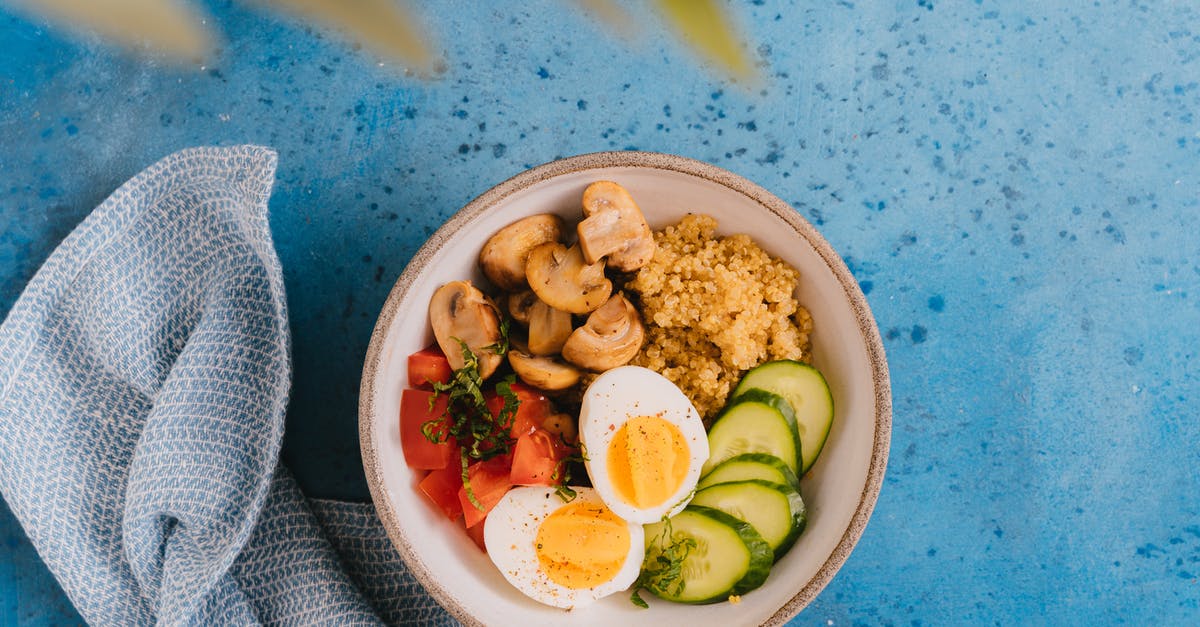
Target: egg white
618 396
510 532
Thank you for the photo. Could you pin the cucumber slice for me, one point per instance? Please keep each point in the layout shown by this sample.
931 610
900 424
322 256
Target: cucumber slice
729 557
751 466
758 422
775 510
807 392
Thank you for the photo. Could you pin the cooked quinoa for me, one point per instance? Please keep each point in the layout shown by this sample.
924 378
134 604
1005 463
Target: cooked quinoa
715 307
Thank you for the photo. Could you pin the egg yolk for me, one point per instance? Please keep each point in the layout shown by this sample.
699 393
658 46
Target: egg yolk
647 461
582 545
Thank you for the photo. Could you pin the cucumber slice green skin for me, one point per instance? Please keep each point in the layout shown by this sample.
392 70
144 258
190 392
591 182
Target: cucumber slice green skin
775 510
806 391
737 557
766 397
750 466
759 422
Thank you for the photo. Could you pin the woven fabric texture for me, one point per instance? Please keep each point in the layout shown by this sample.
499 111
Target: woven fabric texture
144 376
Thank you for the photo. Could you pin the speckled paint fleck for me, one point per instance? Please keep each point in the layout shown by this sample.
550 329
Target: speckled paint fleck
1013 185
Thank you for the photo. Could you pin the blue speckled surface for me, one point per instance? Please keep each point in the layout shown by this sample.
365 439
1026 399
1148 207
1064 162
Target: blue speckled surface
1015 187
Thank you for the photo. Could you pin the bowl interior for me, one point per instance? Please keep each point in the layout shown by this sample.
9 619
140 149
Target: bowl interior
839 491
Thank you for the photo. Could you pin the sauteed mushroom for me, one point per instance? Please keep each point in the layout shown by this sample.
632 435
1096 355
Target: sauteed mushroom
503 256
459 311
549 329
611 336
546 373
562 425
563 280
520 304
614 228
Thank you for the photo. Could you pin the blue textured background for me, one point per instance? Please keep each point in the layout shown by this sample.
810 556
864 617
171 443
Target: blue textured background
1015 188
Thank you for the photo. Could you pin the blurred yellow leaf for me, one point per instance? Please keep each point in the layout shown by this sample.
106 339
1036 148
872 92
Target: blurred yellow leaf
165 26
384 26
381 25
704 25
610 13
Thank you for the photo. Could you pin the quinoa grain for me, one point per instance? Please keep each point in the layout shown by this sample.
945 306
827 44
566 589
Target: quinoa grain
714 307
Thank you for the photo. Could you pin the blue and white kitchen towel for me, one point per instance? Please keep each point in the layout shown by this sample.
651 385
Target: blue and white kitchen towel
144 375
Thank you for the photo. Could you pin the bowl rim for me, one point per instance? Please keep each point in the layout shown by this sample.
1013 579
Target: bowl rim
648 160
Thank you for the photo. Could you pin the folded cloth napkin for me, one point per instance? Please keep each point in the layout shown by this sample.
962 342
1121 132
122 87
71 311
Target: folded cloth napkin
144 375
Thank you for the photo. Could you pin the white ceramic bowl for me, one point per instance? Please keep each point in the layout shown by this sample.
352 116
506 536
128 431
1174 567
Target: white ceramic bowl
839 491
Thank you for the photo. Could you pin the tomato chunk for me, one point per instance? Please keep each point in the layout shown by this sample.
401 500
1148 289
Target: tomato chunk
489 482
475 532
419 452
441 486
533 410
537 459
428 365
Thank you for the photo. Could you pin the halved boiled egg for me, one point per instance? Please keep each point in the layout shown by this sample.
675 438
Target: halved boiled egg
643 441
565 554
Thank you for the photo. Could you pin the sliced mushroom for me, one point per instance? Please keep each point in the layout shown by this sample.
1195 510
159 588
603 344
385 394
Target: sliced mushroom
614 228
549 329
520 304
562 425
503 256
459 311
611 336
563 280
546 373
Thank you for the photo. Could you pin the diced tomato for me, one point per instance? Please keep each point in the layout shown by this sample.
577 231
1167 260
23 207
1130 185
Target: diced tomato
441 486
428 365
419 452
534 410
489 481
476 534
531 413
537 459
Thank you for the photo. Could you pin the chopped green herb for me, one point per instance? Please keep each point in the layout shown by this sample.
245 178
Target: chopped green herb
562 474
468 419
511 403
466 481
662 569
564 491
500 347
